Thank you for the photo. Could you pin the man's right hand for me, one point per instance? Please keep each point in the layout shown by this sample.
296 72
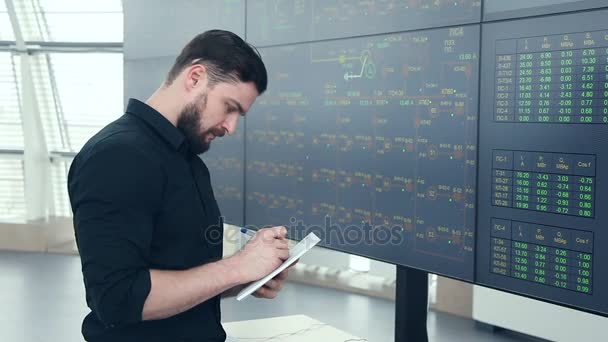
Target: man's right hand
263 253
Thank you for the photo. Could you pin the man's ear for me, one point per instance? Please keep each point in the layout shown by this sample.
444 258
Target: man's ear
196 76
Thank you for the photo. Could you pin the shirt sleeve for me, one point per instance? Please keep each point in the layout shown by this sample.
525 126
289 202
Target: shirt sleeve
115 194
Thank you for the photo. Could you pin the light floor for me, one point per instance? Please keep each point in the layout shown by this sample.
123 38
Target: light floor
42 299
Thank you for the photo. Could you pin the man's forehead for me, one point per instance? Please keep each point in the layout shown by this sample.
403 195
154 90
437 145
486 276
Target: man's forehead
240 93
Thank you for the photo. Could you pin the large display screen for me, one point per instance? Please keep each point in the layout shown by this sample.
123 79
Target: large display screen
501 9
271 22
412 132
542 153
374 140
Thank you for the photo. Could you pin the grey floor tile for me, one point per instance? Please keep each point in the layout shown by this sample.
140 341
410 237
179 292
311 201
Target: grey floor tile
42 300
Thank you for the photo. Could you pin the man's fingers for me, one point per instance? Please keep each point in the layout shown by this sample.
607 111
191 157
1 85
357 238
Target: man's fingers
279 232
294 263
259 293
281 244
271 294
271 289
265 292
282 254
274 285
283 275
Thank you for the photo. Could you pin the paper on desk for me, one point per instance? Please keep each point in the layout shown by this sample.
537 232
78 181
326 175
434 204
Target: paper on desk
294 254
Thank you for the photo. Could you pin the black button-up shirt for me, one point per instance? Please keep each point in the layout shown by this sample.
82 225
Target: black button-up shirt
141 201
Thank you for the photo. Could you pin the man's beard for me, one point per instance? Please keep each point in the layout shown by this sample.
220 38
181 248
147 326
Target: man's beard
189 124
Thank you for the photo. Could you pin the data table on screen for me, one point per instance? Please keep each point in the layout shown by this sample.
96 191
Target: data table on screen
543 142
553 79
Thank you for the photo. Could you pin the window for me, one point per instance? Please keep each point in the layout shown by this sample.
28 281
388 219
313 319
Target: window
89 96
12 197
61 201
75 56
6 30
11 134
73 20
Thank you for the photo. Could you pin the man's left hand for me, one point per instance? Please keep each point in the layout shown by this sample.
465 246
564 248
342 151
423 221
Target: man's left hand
272 288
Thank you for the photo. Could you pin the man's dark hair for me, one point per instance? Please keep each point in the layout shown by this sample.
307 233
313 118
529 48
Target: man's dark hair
227 58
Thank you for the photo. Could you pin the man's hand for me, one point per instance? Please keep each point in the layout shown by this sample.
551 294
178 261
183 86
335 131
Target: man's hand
272 288
263 253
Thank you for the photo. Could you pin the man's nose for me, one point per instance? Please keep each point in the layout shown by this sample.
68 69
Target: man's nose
230 124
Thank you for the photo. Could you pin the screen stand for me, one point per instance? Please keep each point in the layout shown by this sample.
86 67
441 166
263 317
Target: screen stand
411 305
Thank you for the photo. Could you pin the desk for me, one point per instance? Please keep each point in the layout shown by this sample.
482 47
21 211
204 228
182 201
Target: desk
297 328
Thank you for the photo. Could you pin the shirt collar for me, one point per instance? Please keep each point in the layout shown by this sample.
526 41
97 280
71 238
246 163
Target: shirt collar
157 121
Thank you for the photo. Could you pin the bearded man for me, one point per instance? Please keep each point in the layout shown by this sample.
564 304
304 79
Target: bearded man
147 225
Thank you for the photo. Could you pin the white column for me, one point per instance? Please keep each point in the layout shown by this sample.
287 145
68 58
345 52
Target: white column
38 182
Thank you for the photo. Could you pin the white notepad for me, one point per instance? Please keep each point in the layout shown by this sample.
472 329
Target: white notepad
294 254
